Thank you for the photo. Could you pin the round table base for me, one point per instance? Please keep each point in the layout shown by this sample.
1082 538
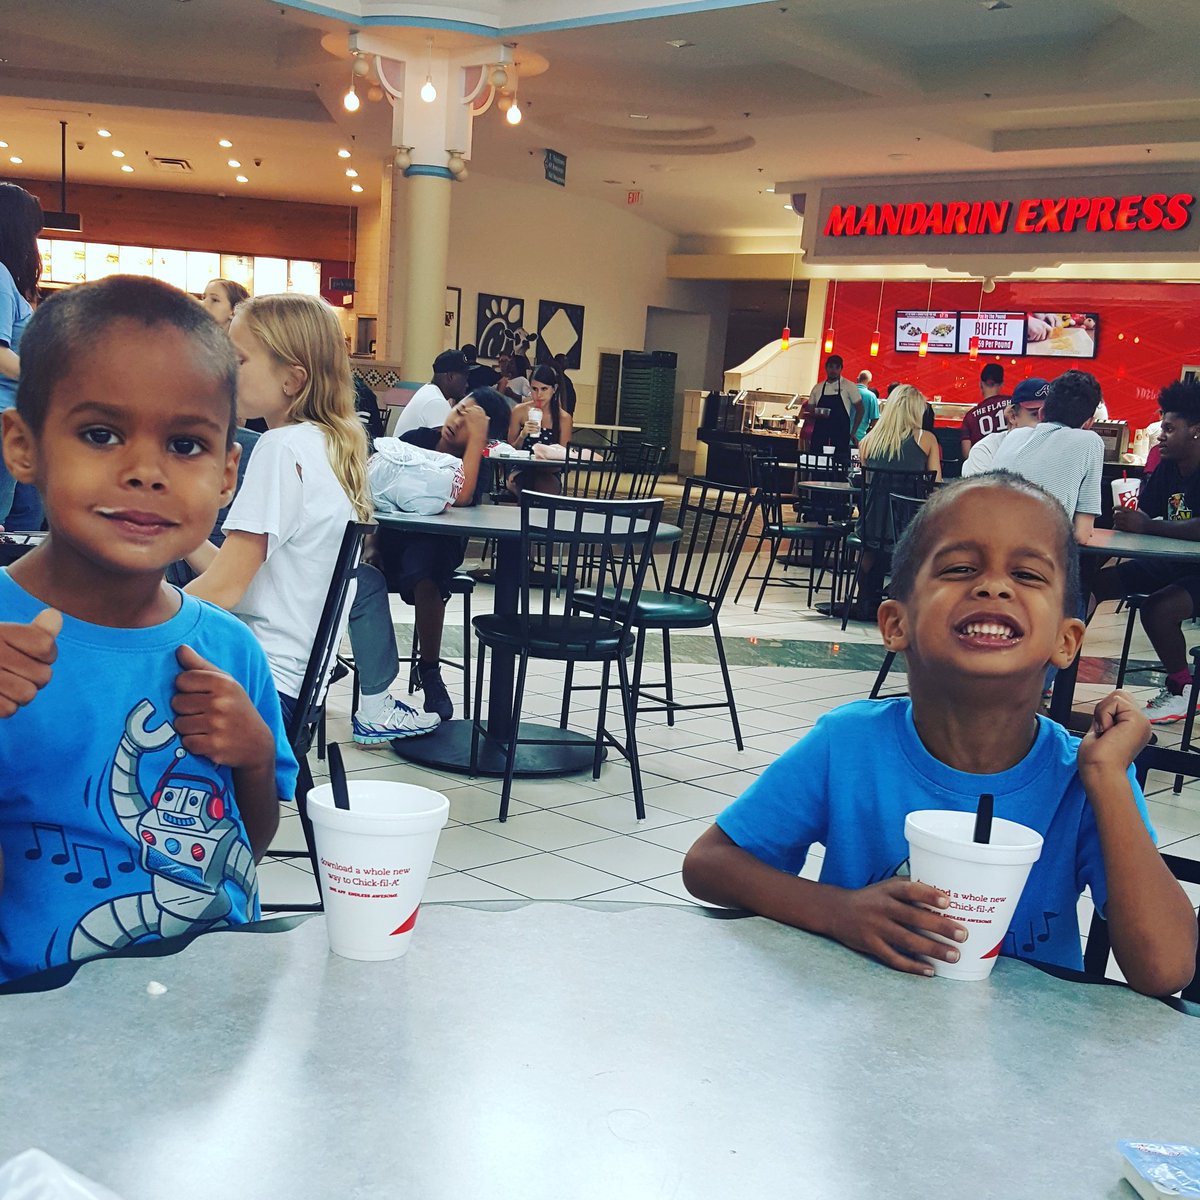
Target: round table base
448 748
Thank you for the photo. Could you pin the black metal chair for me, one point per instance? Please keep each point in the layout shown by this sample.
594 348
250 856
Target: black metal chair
643 463
874 530
1186 870
821 527
590 472
614 538
309 711
714 519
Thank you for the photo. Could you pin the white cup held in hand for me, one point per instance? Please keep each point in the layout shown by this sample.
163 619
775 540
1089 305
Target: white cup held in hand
982 881
374 860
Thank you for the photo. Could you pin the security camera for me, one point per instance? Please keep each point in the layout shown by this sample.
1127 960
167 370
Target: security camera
258 162
80 145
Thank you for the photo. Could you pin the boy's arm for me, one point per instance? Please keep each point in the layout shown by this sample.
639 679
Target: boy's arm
882 920
230 569
214 717
472 459
1150 918
10 364
1084 523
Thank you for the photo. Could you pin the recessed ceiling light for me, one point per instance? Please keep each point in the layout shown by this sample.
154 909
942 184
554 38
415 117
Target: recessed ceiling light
788 207
356 187
233 162
15 160
126 168
118 154
225 144
242 179
770 189
639 116
680 43
103 133
3 145
351 173
343 154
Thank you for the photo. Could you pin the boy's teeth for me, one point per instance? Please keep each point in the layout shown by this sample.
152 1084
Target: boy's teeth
988 629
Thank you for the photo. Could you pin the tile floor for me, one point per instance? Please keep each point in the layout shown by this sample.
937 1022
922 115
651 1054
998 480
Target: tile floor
576 837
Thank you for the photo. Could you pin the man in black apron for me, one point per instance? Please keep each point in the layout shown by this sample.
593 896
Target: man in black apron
836 410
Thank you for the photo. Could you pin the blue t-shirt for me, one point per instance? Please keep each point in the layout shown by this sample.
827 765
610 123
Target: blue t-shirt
825 789
15 312
112 833
870 410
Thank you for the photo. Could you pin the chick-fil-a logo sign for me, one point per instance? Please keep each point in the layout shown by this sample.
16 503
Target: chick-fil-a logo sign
1035 215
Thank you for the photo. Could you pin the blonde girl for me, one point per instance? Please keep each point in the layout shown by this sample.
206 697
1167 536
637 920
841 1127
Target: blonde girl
306 479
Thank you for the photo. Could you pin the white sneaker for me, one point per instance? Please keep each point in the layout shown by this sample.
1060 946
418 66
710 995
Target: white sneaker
400 722
1166 707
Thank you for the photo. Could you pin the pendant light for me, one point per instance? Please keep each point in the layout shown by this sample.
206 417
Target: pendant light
428 91
923 346
878 313
786 336
832 310
973 341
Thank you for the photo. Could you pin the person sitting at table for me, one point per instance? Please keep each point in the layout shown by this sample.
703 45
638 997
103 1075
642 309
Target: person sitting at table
420 566
143 754
979 606
1061 453
541 420
1168 506
1024 411
430 403
897 443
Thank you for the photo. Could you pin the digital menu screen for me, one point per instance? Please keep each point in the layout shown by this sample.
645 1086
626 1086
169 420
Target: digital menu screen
942 328
998 332
1062 335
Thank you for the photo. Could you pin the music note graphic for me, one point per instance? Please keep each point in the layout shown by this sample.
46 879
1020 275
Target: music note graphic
128 865
80 850
55 834
1041 937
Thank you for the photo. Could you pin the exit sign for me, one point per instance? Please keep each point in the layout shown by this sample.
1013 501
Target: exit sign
633 197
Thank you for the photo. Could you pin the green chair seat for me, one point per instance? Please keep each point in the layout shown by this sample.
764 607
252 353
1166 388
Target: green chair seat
654 610
557 637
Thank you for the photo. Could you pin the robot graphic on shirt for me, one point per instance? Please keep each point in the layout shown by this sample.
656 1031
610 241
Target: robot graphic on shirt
190 846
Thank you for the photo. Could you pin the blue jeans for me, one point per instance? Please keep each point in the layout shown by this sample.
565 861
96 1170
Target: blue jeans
7 487
26 513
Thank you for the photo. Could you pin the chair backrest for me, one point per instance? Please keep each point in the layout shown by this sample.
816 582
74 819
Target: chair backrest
576 537
879 483
590 471
714 518
771 484
903 510
325 643
643 462
1186 870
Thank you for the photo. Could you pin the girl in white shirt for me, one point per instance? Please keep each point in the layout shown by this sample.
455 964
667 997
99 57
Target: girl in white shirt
306 479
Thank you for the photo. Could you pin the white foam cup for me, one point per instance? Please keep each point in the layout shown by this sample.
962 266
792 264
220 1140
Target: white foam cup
983 881
535 415
374 860
1125 492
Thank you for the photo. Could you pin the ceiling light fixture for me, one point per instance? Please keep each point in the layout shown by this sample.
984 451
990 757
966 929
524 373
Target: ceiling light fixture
225 144
829 331
351 173
3 145
15 160
513 116
639 116
785 337
233 162
118 154
343 154
242 179
103 133
875 339
428 91
680 44
350 101
127 168
356 187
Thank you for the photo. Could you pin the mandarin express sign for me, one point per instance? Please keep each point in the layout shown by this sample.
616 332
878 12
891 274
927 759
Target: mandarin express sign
1060 218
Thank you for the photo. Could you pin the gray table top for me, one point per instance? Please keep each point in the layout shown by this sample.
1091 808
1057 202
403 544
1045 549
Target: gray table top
555 1051
1117 543
499 521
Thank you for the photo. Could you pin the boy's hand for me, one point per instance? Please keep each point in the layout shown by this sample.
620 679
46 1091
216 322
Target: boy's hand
27 653
476 421
1118 732
214 716
1132 520
886 922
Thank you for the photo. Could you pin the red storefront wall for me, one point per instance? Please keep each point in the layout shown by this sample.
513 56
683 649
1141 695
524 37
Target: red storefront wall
1160 323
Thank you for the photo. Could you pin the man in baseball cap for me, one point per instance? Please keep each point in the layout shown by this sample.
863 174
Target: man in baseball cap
1024 409
431 404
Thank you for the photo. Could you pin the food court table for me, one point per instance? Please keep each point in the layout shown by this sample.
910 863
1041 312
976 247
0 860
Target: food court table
561 1052
1115 543
449 746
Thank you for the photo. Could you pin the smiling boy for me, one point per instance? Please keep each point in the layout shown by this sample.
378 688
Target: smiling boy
142 753
979 608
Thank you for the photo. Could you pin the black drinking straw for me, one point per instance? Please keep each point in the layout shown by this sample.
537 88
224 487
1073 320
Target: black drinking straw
983 819
337 777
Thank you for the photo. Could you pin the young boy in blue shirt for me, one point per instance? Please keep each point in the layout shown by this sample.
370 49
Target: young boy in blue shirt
142 752
984 587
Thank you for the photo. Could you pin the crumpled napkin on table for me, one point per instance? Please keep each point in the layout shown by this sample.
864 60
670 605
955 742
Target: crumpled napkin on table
36 1175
